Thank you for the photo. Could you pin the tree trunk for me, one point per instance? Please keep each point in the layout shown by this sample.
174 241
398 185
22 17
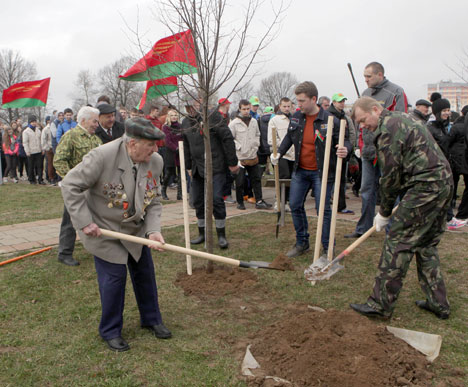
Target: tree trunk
208 184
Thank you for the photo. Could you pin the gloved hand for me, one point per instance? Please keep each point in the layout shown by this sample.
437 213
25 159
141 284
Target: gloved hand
357 152
380 222
274 159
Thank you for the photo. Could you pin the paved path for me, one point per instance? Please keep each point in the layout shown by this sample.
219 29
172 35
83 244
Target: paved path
41 233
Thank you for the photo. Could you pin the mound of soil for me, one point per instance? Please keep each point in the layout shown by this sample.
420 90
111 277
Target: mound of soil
335 348
222 281
282 262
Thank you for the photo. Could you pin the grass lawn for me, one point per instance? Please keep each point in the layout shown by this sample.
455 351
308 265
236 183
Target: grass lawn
24 202
49 313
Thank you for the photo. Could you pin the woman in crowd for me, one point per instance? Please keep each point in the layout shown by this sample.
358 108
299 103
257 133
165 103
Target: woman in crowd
22 158
10 148
173 132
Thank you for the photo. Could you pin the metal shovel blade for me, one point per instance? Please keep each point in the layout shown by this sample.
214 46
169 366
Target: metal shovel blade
258 265
322 269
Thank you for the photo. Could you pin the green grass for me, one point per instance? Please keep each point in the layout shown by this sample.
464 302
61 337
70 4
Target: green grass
24 202
49 313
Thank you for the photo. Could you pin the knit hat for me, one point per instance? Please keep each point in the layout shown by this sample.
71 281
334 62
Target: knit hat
440 104
31 118
435 96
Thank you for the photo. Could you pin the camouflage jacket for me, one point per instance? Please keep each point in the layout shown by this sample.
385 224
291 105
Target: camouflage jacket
73 146
408 156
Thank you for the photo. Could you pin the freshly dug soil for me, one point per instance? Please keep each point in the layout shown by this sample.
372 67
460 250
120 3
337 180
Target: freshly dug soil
335 348
224 280
282 262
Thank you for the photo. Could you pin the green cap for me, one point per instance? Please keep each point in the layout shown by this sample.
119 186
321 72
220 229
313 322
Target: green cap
338 97
268 109
254 100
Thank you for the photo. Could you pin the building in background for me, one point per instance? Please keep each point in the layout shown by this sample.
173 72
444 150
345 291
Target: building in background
455 92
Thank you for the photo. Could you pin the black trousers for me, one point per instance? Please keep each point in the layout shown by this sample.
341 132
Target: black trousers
35 167
286 168
255 177
198 195
112 279
342 194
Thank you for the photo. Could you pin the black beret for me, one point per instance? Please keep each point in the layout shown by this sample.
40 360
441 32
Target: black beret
423 102
440 104
142 128
105 108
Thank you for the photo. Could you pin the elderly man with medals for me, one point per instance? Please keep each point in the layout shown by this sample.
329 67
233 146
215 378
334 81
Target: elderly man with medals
117 187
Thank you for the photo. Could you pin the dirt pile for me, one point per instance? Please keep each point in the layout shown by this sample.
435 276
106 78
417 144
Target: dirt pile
282 262
222 281
335 348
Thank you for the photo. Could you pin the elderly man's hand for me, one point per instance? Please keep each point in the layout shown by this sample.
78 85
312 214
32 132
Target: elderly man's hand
92 229
156 236
341 151
234 169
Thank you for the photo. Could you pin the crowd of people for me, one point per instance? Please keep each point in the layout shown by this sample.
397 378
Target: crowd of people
389 156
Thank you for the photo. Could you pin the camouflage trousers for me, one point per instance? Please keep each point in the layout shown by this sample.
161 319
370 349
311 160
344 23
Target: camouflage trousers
416 229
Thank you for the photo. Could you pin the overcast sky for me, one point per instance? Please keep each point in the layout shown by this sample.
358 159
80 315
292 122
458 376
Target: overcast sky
413 39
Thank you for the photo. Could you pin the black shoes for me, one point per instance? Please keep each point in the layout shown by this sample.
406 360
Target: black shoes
368 311
353 235
160 331
262 205
297 250
118 344
443 315
68 260
241 206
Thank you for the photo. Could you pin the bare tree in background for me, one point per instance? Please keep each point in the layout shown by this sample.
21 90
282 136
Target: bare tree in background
13 69
86 85
275 87
461 68
120 92
224 56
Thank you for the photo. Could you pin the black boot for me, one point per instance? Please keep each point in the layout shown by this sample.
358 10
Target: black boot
164 192
200 238
222 241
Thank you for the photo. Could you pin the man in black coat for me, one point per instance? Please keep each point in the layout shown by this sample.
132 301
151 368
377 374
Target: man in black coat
223 154
458 157
109 129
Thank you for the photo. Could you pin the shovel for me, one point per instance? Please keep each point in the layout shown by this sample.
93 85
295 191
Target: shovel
277 186
323 269
186 251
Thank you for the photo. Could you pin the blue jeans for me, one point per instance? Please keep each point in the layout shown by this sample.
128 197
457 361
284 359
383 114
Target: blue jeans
301 182
369 188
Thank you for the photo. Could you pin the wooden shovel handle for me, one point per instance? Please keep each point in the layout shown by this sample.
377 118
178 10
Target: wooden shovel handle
336 193
168 247
276 169
323 190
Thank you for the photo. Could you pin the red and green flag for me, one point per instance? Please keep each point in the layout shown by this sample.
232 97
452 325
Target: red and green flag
26 94
173 55
156 88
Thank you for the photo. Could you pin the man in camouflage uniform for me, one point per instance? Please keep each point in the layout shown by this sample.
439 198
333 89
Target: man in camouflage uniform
415 169
73 146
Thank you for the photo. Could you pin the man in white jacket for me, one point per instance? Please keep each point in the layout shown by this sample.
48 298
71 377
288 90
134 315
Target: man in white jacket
280 122
246 135
33 148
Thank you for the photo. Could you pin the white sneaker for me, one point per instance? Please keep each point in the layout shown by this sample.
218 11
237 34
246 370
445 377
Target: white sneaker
455 223
5 179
